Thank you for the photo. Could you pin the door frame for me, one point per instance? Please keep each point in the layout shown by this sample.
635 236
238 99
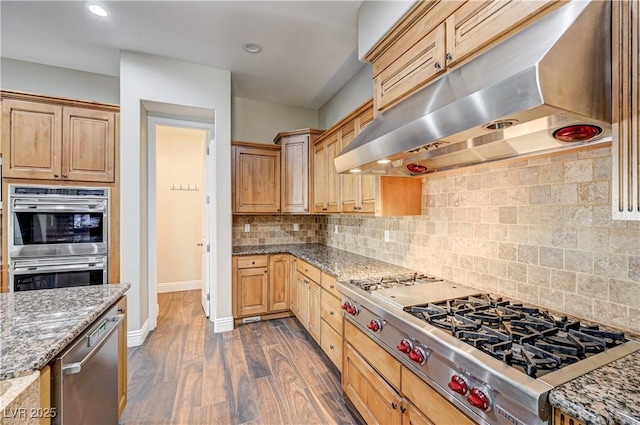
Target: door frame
152 123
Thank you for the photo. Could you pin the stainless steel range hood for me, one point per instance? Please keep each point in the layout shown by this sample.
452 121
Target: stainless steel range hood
506 103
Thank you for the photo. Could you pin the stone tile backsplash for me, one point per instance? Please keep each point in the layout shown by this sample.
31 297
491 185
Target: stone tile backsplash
277 229
539 230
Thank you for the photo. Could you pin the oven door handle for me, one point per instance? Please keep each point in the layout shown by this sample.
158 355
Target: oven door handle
20 270
20 205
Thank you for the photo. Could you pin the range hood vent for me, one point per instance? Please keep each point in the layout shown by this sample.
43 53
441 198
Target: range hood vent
508 102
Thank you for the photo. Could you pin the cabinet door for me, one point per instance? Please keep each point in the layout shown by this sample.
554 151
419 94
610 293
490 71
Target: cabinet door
122 357
350 182
279 282
295 174
412 70
413 416
320 178
375 400
314 310
435 407
257 180
303 300
333 178
331 310
478 23
88 145
293 287
369 185
31 139
253 287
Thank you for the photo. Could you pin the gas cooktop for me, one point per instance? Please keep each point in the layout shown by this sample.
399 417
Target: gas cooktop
525 337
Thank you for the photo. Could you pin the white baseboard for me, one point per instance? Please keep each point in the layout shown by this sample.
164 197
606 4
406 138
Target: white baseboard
223 325
136 338
187 285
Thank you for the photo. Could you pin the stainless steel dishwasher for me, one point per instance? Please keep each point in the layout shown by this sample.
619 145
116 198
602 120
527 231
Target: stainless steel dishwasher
85 375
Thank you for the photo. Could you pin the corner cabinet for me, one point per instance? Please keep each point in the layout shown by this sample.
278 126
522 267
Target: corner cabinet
256 182
295 182
45 138
358 194
260 285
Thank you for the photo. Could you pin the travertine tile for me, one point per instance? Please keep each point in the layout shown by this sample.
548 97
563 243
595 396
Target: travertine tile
565 237
579 305
615 314
517 233
529 215
634 268
593 286
517 271
537 275
528 293
602 168
610 265
594 192
551 173
578 171
578 215
562 280
593 238
552 299
540 235
528 176
624 292
528 254
539 195
564 194
551 257
625 241
578 261
508 215
508 251
552 215
507 287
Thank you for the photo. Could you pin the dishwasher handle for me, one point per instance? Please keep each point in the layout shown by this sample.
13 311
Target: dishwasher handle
73 368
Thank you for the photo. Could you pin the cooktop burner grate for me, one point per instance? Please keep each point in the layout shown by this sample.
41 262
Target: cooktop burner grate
525 337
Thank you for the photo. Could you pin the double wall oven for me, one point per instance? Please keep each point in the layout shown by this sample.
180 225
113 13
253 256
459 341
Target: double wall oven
58 236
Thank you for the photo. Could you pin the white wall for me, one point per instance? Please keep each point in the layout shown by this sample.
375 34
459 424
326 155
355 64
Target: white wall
358 90
167 81
256 121
375 19
54 81
179 204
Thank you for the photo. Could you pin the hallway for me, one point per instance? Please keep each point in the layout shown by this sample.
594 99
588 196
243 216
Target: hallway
260 373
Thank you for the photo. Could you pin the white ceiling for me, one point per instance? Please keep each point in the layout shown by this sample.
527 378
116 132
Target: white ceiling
310 47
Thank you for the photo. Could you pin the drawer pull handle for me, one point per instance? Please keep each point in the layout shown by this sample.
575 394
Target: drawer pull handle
331 286
253 262
331 313
331 346
436 65
394 405
448 56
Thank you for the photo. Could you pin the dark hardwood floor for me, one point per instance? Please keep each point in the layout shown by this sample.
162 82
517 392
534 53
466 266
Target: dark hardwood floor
260 373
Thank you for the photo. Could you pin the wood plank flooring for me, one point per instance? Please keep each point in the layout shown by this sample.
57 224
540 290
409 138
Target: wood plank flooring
263 373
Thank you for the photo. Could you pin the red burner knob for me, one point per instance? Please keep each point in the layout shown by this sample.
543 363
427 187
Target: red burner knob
418 355
458 385
375 325
405 346
479 399
346 305
353 310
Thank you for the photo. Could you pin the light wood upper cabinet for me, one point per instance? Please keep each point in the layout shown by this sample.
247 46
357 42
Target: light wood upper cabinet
88 151
256 183
438 34
53 142
296 169
353 193
478 23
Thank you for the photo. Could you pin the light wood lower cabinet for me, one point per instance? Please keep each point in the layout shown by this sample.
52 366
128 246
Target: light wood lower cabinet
562 418
45 394
308 293
386 392
122 357
260 284
314 310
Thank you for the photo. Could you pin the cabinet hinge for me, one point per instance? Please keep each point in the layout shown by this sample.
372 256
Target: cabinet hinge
208 199
208 150
208 297
208 247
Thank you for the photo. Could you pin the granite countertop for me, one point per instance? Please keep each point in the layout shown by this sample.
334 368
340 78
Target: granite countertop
344 265
36 325
607 395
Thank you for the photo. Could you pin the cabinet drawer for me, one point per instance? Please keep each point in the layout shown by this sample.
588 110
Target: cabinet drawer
310 271
330 284
331 311
377 357
438 409
249 261
414 68
331 343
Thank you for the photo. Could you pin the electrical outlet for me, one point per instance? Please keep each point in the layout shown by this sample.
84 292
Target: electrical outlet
247 227
386 236
296 227
335 228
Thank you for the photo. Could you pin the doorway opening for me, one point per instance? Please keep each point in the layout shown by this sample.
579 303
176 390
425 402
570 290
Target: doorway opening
179 213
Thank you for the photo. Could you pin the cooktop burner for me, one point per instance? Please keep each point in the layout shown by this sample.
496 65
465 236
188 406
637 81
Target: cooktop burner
527 338
387 282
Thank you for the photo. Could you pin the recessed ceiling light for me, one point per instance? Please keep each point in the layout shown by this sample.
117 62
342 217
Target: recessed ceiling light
355 170
384 161
252 47
98 10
